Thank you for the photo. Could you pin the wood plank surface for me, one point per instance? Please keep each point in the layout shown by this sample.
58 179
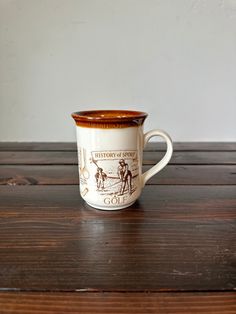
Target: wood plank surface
150 158
68 175
151 146
175 238
118 303
172 252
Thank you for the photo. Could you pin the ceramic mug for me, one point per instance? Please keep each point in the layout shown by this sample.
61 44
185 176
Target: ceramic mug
110 153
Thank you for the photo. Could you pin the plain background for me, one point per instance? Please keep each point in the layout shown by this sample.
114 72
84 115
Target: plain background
175 59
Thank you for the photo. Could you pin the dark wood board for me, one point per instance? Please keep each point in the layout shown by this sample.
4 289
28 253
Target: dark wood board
175 238
151 146
118 303
150 158
68 175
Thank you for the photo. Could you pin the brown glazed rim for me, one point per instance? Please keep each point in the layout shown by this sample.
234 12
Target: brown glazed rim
109 118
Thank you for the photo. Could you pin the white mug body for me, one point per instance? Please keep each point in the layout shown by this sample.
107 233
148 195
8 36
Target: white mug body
110 152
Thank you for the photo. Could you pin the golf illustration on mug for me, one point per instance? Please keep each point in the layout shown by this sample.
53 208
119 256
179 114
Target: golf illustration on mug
115 175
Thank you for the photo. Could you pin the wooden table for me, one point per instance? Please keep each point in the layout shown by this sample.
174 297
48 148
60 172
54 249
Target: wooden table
174 251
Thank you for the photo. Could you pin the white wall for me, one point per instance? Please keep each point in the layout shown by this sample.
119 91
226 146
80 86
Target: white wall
175 59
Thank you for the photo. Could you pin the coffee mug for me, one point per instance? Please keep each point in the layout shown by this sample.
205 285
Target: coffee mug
110 153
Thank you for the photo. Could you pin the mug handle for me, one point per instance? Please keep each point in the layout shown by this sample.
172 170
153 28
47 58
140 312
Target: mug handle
164 161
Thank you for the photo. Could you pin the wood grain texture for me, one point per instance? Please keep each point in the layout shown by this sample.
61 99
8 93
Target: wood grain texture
152 146
150 158
154 257
175 238
68 175
118 303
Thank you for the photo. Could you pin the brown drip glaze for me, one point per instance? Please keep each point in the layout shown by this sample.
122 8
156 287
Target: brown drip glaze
109 119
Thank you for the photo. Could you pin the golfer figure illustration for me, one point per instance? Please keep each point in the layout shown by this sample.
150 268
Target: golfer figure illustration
125 176
100 177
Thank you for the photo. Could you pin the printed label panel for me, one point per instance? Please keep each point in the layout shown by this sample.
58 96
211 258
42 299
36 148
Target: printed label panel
112 175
